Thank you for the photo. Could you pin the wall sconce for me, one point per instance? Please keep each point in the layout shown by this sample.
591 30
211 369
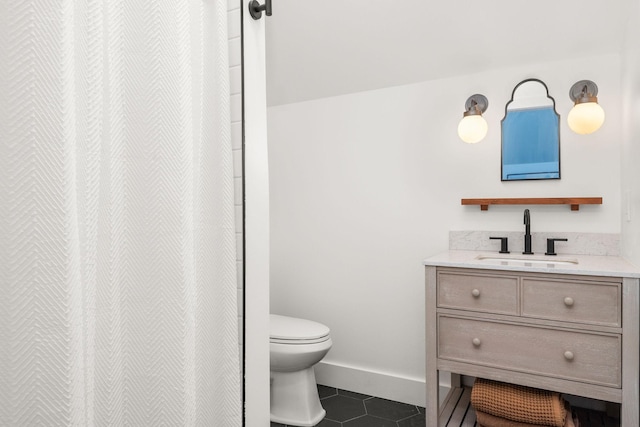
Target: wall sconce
473 127
587 115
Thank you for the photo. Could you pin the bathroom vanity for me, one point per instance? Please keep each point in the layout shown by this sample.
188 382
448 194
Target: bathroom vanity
567 324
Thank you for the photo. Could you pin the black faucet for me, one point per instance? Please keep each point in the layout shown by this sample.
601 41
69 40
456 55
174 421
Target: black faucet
527 233
551 250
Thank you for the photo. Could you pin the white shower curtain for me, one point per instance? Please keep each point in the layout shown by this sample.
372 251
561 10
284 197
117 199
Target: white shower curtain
117 252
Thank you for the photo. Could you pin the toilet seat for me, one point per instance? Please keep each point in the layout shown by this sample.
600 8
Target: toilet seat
297 342
294 331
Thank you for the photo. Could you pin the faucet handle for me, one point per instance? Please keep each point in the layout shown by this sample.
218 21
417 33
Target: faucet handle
551 250
504 245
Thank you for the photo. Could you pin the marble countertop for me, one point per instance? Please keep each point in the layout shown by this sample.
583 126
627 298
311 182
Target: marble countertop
590 265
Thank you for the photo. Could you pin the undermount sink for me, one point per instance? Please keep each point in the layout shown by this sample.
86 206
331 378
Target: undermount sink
526 261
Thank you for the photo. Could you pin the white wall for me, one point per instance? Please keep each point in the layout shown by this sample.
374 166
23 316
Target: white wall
256 192
631 139
364 186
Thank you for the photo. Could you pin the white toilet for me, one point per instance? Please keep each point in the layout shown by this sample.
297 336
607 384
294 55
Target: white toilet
295 346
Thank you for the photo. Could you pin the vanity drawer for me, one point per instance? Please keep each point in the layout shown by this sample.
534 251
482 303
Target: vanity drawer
582 356
591 302
478 292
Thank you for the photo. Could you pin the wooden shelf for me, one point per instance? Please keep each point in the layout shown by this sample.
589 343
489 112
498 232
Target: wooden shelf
575 202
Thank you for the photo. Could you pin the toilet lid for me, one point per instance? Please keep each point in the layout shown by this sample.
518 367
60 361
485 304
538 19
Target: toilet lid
294 329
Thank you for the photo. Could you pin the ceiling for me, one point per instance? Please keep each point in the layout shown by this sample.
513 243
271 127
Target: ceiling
324 48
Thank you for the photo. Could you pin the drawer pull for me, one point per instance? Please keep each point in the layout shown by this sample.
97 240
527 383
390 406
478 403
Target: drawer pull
568 355
568 301
475 293
476 342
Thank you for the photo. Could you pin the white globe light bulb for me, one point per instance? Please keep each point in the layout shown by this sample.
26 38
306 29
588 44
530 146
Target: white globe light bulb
585 118
472 128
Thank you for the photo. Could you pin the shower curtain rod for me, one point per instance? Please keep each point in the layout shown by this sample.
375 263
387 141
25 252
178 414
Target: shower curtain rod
255 9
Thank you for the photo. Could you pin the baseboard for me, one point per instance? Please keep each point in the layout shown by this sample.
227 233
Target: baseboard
379 384
400 388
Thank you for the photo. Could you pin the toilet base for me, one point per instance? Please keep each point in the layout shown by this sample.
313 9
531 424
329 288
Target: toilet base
294 398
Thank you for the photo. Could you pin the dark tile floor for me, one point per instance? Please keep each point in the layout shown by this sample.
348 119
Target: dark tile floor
349 409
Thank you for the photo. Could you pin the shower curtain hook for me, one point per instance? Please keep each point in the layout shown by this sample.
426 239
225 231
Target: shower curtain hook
255 8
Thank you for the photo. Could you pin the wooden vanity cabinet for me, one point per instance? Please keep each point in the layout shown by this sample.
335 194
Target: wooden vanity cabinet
568 333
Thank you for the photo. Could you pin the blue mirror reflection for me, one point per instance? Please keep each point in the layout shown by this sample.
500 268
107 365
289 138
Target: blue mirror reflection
530 134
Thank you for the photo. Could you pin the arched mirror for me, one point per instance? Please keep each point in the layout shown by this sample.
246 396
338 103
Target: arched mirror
530 134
